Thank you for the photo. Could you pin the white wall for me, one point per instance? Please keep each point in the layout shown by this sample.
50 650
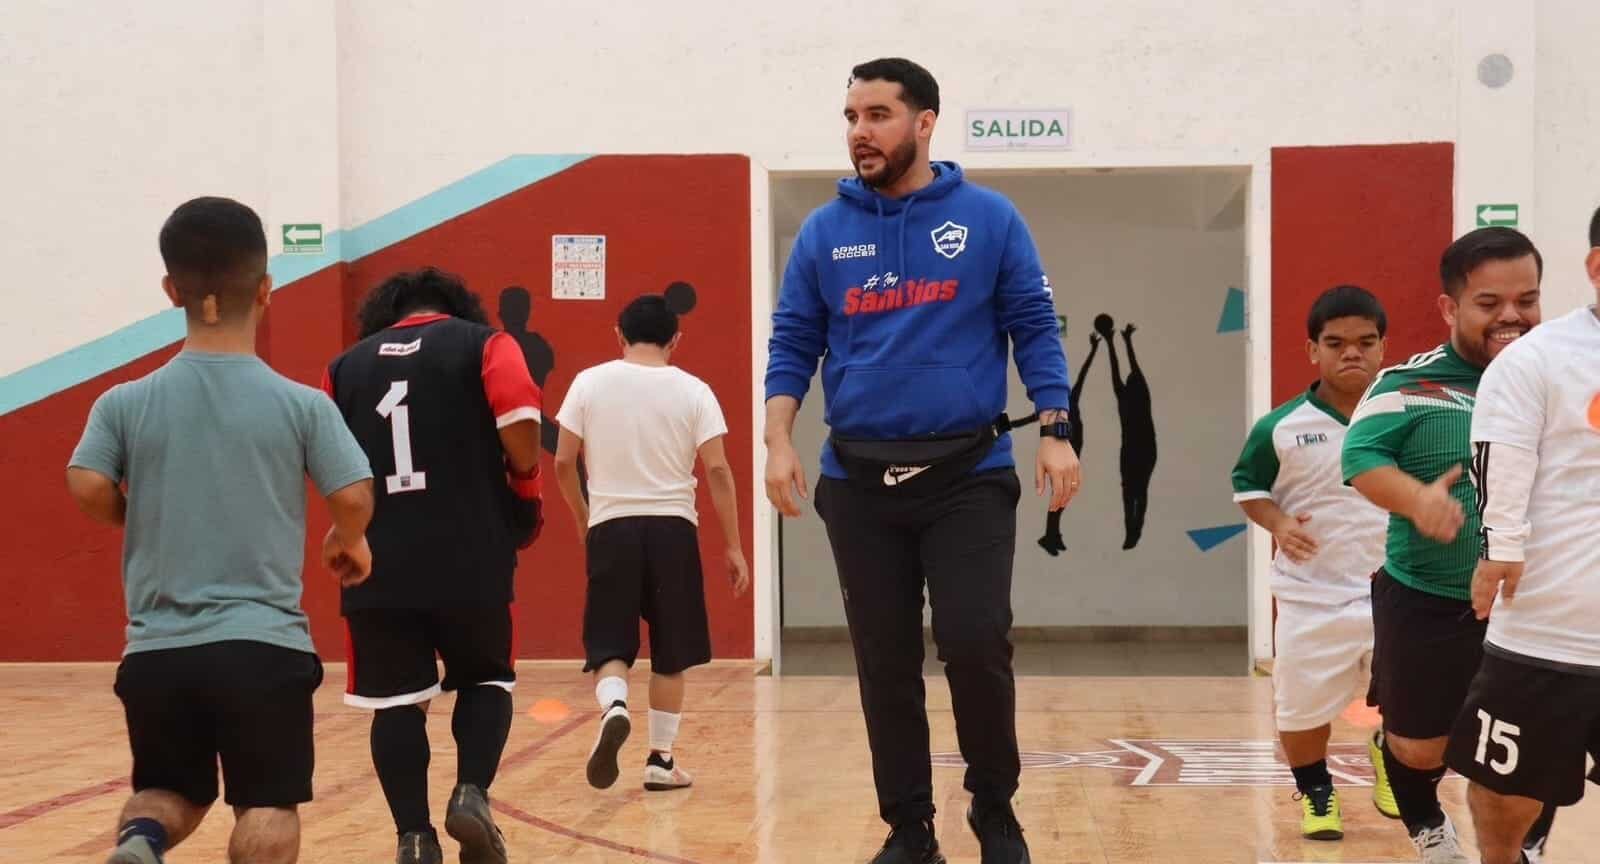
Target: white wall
1157 249
114 114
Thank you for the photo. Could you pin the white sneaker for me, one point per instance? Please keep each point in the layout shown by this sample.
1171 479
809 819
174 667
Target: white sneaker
1439 845
661 775
615 725
1535 853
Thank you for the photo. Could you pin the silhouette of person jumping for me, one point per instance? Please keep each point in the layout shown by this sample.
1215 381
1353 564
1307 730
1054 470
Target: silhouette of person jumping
1052 542
1138 456
516 307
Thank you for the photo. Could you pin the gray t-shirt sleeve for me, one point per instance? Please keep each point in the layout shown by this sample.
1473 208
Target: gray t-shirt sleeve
103 447
333 458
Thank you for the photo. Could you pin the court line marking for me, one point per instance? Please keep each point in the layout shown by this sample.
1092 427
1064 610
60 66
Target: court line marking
41 808
562 830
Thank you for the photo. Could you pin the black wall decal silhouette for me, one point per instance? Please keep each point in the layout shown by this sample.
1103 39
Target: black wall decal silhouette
1138 457
1052 541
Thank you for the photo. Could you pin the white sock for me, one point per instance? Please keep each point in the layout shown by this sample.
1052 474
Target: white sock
663 731
609 690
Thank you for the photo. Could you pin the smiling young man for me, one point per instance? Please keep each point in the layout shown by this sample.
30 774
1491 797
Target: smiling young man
916 285
1408 444
1330 540
1533 712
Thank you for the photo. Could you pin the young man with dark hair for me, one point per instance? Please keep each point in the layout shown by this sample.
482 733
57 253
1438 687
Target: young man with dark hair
1329 539
914 286
1408 445
445 408
639 423
1533 711
215 448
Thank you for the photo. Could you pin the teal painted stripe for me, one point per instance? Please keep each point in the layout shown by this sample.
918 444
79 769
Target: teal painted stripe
136 340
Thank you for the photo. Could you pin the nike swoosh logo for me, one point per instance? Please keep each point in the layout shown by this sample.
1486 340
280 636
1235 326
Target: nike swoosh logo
897 474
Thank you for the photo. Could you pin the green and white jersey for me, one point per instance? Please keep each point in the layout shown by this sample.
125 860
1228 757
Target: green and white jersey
1292 456
1418 417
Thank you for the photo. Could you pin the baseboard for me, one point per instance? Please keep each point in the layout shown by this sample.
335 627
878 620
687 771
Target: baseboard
797 635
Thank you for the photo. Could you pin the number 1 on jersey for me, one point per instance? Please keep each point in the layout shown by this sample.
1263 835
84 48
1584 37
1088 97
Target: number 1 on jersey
405 479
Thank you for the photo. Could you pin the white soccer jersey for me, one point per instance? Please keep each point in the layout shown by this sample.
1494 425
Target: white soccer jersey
1292 457
1542 395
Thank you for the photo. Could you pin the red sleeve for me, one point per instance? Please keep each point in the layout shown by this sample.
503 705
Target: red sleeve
513 397
327 382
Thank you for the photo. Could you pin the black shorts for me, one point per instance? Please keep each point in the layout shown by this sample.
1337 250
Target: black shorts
248 703
1525 728
645 567
391 653
1425 651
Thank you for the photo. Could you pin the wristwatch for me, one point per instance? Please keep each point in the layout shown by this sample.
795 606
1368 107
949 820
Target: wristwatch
1058 429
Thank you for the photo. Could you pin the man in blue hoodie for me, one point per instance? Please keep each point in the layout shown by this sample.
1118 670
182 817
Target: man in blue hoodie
912 286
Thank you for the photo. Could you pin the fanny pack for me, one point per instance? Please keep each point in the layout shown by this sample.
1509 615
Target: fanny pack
916 466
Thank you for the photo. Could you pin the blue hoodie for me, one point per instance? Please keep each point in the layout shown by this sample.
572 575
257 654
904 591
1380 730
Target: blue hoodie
909 301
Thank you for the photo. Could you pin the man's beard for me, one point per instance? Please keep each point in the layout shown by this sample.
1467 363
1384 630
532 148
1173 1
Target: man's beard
895 166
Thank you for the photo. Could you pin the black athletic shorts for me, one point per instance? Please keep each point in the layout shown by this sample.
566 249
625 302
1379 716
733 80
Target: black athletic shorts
1426 650
1526 727
248 703
645 567
391 653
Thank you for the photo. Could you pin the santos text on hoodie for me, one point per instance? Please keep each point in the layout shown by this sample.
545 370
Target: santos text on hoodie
909 301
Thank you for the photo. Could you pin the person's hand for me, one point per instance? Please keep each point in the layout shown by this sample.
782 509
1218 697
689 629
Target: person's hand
1491 578
1058 465
1094 338
785 478
1435 512
738 571
350 562
1293 540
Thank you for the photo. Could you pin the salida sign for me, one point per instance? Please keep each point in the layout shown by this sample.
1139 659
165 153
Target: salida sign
1019 130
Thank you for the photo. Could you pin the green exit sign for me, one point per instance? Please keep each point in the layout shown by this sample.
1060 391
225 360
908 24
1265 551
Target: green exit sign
302 238
1497 215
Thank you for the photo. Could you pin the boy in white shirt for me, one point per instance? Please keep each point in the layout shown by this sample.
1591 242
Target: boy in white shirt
639 424
1330 541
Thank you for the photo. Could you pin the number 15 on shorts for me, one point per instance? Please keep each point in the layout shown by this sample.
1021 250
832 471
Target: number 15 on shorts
1503 735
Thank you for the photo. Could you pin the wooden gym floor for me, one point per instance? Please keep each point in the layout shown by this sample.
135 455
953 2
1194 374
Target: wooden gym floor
1118 770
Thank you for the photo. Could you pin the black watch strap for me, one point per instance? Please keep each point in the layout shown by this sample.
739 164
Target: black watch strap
1058 429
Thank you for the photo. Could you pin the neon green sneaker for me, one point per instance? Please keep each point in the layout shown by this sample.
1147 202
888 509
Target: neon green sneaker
1382 792
1319 814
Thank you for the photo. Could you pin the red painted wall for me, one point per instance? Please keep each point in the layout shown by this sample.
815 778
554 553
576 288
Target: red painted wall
666 219
1376 216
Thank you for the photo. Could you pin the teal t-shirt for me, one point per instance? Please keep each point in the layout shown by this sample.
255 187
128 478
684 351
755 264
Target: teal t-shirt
215 450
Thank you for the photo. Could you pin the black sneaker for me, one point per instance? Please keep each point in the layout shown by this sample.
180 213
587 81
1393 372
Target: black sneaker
999 834
469 821
910 843
419 847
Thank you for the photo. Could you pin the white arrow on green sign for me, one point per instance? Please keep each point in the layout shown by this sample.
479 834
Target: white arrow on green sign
1491 215
305 237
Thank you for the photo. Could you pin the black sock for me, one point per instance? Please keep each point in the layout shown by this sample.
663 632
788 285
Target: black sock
481 723
1416 791
400 753
1541 827
149 829
1308 777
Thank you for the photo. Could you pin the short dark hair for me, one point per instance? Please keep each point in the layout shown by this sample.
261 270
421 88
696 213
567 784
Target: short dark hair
215 247
1345 301
917 87
1473 248
1594 229
405 293
649 320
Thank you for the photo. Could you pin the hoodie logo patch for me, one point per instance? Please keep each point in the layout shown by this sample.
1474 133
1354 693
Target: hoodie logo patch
950 239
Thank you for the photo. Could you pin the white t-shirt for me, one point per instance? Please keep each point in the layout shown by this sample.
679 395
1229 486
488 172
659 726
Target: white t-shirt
1542 394
641 428
1292 457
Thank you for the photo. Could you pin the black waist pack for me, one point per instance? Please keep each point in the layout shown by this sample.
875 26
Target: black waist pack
915 466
